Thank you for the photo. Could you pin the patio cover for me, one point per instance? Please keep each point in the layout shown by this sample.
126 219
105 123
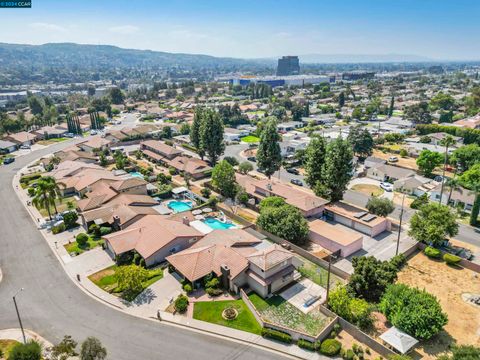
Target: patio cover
179 190
398 340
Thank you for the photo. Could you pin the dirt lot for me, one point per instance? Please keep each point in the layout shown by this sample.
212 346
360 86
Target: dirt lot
347 341
447 284
368 189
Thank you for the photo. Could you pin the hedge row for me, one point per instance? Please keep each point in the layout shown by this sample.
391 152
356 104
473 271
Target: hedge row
277 335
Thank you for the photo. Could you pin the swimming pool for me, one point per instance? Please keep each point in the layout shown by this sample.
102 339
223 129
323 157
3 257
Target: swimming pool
180 206
216 224
137 175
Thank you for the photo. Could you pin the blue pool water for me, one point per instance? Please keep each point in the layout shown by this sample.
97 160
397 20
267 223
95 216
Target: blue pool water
216 224
137 175
180 206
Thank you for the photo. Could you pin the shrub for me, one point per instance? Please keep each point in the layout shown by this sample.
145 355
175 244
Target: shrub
82 239
181 304
105 230
58 228
29 351
419 201
94 228
277 335
349 355
398 261
142 263
213 291
70 219
403 153
357 311
187 288
330 347
305 344
432 252
172 171
451 259
206 192
31 191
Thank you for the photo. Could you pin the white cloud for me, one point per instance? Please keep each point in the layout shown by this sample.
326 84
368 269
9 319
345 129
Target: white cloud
124 29
47 26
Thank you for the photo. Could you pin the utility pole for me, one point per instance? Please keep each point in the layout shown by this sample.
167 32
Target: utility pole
400 225
18 315
335 255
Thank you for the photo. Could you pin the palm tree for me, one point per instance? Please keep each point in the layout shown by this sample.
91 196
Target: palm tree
471 180
447 141
53 190
43 196
453 184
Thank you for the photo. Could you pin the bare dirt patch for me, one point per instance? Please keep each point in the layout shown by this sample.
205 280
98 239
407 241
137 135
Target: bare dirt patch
447 284
347 341
368 189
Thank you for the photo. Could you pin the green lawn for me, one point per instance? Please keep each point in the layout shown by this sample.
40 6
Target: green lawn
250 139
211 311
318 274
62 205
77 249
106 279
6 346
279 311
52 141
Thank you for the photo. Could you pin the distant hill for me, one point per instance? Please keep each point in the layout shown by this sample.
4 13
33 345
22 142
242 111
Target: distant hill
360 58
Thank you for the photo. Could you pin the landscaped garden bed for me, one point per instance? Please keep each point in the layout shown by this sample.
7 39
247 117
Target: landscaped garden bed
277 310
75 248
6 345
212 312
250 139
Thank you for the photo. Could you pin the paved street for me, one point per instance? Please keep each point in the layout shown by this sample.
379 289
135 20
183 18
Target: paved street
53 306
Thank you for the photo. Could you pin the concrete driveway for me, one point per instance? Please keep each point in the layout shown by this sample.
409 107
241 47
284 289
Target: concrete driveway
368 181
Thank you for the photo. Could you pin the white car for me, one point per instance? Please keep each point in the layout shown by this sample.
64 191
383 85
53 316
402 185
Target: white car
93 132
386 186
392 159
25 147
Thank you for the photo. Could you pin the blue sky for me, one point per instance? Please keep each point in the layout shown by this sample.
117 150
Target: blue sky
439 29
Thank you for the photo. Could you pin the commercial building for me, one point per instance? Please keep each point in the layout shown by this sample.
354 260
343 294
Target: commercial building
274 81
288 65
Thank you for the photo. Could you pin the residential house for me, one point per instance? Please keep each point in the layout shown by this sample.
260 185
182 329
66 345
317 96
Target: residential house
239 259
158 150
385 172
469 123
194 167
22 138
289 126
414 185
459 197
48 132
7 147
372 161
231 134
436 139
154 237
334 238
94 143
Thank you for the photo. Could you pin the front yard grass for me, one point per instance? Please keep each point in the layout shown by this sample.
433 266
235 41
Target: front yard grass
106 280
51 141
279 311
211 311
250 139
368 189
6 345
74 247
62 205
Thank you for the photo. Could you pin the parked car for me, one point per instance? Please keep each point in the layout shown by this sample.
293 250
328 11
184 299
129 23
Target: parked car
296 182
25 147
386 186
252 158
392 159
7 161
93 132
70 135
293 171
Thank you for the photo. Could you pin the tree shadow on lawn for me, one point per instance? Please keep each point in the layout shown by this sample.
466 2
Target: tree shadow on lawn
145 297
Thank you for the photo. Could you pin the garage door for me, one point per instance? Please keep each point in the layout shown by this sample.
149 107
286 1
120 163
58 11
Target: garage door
362 228
343 220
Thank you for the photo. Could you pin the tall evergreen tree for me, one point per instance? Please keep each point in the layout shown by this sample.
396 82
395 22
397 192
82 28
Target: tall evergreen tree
212 136
315 160
341 100
195 135
269 156
392 104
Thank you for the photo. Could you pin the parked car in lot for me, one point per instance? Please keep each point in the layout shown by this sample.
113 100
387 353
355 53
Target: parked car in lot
25 147
293 171
252 158
386 186
7 161
392 159
296 182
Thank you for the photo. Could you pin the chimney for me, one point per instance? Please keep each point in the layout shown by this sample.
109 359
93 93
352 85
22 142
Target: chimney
225 270
116 222
185 220
269 187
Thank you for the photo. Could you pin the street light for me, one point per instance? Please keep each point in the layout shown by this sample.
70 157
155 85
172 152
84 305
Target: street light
18 315
400 225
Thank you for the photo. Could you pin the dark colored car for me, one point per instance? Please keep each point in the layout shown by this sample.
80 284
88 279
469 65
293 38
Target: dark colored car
7 161
293 171
296 182
252 158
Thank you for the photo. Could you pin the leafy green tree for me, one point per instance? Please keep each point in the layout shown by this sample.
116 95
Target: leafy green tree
70 219
462 352
269 156
64 350
357 113
271 201
92 349
130 279
428 160
418 113
471 180
371 277
466 156
35 105
211 133
245 167
314 161
223 178
433 223
285 221
32 350
361 140
442 101
413 311
447 141
337 171
380 206
341 100
116 96
356 311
